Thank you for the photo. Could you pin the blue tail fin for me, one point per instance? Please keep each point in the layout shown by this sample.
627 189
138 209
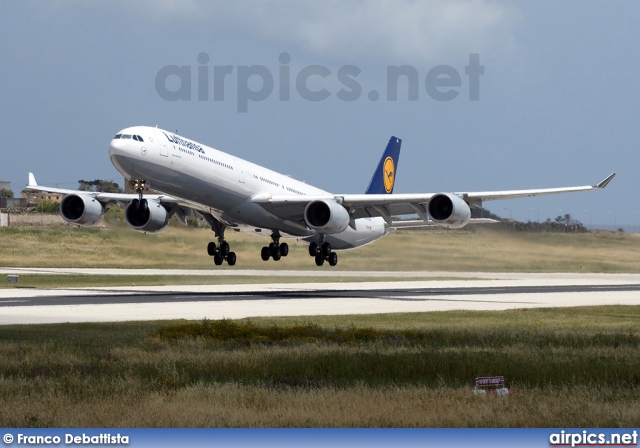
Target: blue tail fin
384 177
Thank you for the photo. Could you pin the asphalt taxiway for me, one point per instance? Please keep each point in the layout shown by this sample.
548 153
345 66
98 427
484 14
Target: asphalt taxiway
468 291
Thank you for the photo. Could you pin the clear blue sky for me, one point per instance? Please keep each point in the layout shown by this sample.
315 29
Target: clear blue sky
558 105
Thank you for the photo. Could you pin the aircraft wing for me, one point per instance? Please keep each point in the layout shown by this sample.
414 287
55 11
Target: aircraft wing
292 207
105 198
512 194
413 223
175 206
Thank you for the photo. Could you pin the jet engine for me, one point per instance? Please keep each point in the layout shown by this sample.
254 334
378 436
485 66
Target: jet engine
148 216
449 210
81 209
326 216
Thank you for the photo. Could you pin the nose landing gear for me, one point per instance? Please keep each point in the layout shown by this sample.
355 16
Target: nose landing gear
138 185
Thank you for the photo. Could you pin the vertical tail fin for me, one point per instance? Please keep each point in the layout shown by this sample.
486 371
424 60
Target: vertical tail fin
384 177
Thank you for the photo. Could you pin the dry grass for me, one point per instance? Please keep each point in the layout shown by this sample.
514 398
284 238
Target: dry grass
570 371
179 247
237 405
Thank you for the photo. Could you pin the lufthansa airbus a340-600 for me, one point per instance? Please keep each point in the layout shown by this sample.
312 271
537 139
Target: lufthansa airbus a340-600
194 180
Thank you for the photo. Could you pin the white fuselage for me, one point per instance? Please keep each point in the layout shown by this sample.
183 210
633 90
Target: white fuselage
220 184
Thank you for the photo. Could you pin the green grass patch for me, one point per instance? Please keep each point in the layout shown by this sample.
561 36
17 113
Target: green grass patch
247 333
429 357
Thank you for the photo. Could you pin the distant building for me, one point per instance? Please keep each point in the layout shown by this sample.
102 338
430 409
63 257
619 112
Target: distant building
36 197
12 203
5 185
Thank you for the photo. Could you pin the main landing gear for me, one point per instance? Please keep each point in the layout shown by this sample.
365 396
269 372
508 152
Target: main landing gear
275 250
222 251
323 253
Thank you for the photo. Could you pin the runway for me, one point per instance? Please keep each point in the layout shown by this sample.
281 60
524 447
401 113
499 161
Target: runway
469 291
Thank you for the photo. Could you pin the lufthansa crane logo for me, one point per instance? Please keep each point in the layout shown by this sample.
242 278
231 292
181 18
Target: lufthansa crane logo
389 175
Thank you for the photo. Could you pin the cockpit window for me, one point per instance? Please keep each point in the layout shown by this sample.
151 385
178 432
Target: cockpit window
135 137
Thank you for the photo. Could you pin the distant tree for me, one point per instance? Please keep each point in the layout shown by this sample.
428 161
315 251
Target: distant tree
560 219
105 186
6 193
84 185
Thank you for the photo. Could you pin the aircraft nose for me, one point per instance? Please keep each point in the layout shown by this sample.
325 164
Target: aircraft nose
117 146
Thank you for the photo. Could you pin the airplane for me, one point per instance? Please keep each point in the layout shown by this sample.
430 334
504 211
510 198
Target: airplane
190 179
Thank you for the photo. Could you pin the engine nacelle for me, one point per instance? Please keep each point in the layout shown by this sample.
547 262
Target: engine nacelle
84 210
326 216
148 216
449 210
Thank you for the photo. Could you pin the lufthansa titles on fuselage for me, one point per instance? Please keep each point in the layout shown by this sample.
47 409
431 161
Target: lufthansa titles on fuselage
187 144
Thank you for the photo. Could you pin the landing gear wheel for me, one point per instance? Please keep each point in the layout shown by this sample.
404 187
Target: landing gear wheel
220 252
326 249
313 249
141 205
333 259
284 249
275 249
319 260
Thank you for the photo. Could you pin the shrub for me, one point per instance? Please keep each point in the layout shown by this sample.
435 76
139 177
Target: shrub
49 207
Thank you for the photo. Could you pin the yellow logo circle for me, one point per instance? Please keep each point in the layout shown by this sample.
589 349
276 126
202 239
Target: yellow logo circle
389 175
